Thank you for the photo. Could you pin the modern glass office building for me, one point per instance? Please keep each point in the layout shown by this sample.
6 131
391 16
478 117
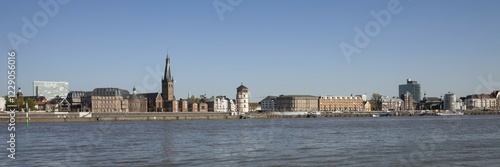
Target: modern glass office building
413 87
50 89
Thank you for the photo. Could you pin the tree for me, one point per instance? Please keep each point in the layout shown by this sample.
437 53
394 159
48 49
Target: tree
374 101
253 106
7 101
20 103
31 103
193 99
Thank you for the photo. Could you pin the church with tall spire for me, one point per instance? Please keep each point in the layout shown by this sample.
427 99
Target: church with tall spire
167 82
167 89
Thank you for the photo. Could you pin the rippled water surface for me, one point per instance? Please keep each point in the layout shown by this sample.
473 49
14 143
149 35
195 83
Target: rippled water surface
385 141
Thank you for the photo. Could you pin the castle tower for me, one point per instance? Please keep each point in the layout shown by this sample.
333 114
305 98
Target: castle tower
242 97
167 83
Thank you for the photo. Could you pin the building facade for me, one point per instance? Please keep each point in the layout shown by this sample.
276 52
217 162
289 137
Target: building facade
183 105
368 106
408 101
3 102
75 100
86 101
431 103
40 102
193 107
232 105
391 104
496 94
481 102
450 101
202 107
286 103
137 102
413 87
58 104
340 103
107 100
242 96
220 104
50 89
154 101
172 106
460 105
268 103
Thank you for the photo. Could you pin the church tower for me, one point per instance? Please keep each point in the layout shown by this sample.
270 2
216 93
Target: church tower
167 83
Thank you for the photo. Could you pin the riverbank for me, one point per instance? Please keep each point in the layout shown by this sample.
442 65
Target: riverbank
126 118
74 117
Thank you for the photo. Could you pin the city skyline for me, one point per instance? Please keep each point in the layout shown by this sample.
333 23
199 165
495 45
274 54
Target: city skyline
272 48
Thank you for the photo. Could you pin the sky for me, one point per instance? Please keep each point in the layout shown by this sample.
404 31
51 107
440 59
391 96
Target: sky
271 46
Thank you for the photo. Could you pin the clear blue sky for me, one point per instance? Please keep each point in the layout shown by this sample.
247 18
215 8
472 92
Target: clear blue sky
273 47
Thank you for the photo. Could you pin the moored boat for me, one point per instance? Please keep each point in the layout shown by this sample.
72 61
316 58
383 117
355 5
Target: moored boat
449 113
381 114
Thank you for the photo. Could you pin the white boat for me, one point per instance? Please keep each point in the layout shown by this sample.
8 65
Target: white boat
381 114
314 114
450 113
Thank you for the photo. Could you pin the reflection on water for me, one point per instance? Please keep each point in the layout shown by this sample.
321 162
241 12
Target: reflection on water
388 141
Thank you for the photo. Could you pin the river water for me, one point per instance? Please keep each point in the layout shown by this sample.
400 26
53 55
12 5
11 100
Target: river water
385 141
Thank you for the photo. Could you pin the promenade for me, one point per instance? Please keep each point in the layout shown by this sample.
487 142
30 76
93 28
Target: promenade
164 116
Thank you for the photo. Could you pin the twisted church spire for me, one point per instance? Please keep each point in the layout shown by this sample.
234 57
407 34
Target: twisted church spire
168 74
